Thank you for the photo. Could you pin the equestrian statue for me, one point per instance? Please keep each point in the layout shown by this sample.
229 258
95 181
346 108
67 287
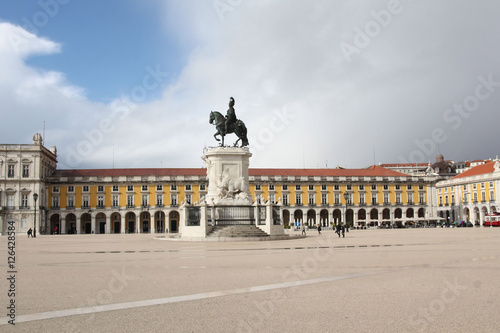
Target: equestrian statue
229 124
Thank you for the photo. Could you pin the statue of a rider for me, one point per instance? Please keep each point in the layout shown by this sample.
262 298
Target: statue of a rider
230 117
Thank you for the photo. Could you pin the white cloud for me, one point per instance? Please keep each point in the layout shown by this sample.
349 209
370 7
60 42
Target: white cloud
303 103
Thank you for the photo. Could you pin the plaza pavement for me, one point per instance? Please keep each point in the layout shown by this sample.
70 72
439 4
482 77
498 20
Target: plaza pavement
402 280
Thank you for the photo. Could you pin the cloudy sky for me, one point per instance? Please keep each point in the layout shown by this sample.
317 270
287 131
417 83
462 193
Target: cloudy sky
318 83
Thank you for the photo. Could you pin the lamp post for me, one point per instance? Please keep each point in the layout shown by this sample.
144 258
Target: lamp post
346 197
35 197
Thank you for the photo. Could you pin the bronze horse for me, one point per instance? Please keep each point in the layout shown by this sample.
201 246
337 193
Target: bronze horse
238 128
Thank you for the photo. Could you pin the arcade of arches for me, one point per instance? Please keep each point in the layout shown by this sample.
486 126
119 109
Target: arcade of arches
356 217
114 222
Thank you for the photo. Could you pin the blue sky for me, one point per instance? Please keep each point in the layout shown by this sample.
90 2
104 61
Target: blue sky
318 83
106 45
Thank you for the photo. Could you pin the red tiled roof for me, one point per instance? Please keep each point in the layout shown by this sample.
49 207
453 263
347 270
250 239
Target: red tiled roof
480 169
372 171
131 172
401 165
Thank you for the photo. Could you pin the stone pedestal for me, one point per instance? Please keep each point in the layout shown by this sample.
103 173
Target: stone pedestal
227 172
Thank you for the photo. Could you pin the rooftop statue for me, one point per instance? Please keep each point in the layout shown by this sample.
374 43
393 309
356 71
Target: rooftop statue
229 124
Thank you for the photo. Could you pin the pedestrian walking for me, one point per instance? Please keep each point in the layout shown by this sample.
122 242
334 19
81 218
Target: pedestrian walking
343 231
337 229
303 230
30 233
319 229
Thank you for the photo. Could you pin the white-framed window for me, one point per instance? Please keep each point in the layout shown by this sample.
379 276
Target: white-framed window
130 188
85 188
159 200
286 202
386 187
100 201
386 198
374 187
336 198
100 188
173 199
203 187
26 171
173 187
85 201
144 187
188 187
55 202
374 198
55 189
115 200
323 187
324 198
71 189
257 187
298 187
361 187
11 170
409 197
10 201
362 199
492 195
311 187
349 187
271 187
188 199
483 196
130 200
398 198
349 199
71 201
285 187
159 187
145 201
336 187
421 198
272 198
115 188
298 199
311 199
409 187
24 200
398 187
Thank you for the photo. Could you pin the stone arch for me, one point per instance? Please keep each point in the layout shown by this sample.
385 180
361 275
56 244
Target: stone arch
145 223
298 217
337 216
130 222
71 223
55 224
85 223
311 217
160 222
173 221
323 217
116 223
286 217
100 223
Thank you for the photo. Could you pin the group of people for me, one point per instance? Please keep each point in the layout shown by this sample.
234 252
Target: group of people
340 228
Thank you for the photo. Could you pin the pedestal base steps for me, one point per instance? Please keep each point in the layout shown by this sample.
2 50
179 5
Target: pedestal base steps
237 231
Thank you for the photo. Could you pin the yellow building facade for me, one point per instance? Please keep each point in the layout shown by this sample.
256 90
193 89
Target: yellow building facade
149 200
